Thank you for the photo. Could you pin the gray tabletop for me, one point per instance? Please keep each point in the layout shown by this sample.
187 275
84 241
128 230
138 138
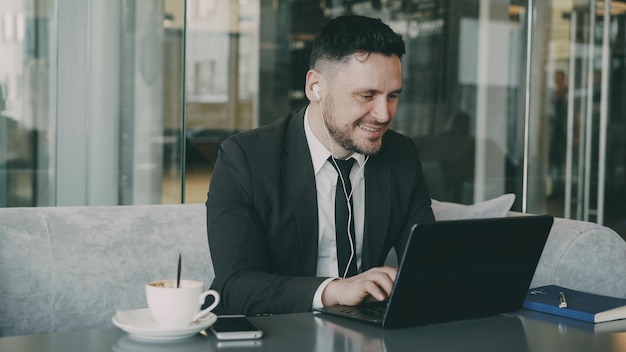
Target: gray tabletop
521 331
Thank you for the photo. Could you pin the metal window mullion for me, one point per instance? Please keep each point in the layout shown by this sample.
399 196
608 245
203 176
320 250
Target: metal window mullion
604 107
570 117
589 115
529 61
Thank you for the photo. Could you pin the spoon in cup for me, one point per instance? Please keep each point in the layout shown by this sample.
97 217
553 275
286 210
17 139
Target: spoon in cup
178 273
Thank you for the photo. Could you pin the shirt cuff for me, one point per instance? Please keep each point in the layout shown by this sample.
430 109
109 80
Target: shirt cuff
317 298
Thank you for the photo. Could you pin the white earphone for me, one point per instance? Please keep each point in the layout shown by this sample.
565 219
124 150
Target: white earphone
316 91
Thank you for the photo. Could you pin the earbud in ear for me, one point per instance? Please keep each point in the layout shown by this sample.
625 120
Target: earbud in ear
316 91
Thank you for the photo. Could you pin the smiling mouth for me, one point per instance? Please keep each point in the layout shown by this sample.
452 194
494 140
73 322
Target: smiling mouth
370 129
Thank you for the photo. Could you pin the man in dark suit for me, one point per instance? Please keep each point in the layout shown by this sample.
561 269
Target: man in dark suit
271 205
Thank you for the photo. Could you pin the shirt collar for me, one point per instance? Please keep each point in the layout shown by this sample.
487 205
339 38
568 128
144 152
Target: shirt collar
319 153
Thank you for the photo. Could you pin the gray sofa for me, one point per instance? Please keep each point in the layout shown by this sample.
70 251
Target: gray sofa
70 268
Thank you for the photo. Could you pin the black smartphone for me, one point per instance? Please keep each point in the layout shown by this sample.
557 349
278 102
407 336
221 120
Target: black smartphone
235 327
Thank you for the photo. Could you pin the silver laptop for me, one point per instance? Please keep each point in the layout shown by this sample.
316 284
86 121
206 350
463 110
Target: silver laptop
459 269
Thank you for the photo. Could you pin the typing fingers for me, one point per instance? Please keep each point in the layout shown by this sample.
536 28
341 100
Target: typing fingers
376 283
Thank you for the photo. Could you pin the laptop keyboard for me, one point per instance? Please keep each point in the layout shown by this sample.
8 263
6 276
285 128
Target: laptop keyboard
370 311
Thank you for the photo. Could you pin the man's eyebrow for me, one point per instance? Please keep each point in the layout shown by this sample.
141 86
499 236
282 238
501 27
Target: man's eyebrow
376 91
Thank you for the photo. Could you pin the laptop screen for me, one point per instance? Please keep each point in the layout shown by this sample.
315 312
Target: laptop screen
466 268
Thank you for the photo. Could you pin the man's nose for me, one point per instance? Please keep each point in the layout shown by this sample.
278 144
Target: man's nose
381 111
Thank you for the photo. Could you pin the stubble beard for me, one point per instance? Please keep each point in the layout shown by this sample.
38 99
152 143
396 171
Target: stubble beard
343 136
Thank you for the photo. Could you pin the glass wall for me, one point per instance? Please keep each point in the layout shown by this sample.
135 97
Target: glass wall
126 102
91 92
25 104
222 82
581 108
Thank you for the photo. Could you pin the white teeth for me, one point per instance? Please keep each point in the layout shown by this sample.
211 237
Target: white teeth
368 128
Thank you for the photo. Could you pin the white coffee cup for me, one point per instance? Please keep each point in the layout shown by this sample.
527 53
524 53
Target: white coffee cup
174 307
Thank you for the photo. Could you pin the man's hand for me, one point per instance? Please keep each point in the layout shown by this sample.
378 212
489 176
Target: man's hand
374 284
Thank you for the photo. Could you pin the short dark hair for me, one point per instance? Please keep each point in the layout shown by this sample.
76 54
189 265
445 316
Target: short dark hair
343 36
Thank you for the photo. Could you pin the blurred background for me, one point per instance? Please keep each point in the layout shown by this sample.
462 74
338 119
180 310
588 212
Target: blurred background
126 102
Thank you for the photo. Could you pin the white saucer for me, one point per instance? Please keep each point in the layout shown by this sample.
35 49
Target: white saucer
140 324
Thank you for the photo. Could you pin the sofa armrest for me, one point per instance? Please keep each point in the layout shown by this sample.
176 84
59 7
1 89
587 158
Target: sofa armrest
583 256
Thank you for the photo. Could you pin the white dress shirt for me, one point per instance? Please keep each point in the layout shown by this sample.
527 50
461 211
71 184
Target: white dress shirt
326 181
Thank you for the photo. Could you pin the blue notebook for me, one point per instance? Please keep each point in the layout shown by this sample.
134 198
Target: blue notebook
580 305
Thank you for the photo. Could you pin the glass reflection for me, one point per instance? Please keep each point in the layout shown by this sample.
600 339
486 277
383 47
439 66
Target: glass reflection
127 343
584 118
24 101
333 336
222 59
340 334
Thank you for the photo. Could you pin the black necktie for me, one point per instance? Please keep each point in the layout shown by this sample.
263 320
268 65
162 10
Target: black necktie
344 250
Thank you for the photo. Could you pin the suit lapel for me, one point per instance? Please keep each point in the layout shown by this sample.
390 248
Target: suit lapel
377 208
297 169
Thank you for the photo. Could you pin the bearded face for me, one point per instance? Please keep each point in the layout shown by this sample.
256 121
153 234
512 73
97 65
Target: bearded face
362 136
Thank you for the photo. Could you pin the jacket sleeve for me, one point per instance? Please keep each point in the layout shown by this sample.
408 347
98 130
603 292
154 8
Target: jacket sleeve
240 244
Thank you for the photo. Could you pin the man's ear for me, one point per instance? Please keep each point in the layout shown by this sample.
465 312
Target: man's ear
312 85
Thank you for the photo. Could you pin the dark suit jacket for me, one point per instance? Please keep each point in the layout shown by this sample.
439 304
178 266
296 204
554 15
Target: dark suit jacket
262 215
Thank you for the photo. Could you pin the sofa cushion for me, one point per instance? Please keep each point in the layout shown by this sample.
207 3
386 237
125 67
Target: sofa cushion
493 208
105 255
74 267
25 272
